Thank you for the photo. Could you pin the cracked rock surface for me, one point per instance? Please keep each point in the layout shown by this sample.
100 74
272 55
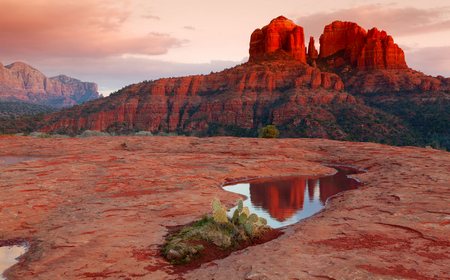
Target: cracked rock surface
93 208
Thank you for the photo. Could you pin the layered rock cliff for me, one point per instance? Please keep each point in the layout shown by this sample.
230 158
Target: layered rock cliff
21 82
303 92
243 97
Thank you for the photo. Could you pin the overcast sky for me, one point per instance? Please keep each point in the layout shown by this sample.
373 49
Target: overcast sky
118 42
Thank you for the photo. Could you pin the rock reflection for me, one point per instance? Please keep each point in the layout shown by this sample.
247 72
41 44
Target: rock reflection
284 201
281 198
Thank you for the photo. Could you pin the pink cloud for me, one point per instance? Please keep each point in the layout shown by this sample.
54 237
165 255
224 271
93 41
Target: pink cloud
74 28
430 60
395 20
152 17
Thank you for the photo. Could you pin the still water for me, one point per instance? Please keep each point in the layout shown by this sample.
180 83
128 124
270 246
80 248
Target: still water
8 257
286 200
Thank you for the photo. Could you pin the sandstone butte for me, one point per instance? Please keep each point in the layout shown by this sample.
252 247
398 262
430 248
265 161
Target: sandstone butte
93 208
21 82
276 85
280 34
364 50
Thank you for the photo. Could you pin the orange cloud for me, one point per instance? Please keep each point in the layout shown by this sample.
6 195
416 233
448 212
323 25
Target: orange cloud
74 28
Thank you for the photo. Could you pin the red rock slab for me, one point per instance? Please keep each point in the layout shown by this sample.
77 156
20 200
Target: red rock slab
100 209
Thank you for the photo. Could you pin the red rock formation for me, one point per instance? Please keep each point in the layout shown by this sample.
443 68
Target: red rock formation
286 91
380 52
342 36
364 50
19 81
281 34
235 97
312 51
395 80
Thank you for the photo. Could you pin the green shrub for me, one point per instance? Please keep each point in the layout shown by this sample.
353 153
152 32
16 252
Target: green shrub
143 133
93 133
269 131
40 134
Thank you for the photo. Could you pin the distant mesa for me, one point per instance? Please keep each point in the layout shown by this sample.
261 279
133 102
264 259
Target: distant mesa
21 82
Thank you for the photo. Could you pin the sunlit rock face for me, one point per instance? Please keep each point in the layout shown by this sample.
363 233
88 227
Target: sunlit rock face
241 96
281 34
380 52
342 36
347 42
313 54
305 93
21 82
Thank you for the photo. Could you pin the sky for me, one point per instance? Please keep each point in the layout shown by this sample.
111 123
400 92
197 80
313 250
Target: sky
118 42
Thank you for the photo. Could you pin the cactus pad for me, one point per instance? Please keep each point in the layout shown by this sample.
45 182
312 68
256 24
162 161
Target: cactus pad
216 205
220 216
240 205
253 218
246 211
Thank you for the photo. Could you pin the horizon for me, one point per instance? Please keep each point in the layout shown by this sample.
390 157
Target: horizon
117 43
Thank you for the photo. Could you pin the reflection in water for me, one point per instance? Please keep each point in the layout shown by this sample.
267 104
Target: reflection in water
284 201
8 257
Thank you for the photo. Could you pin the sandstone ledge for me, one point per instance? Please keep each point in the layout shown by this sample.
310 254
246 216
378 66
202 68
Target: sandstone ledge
96 209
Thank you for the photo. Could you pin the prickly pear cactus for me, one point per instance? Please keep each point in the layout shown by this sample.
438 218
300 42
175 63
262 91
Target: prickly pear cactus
249 228
262 221
246 211
216 205
240 205
219 212
220 216
242 218
250 225
235 218
253 218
